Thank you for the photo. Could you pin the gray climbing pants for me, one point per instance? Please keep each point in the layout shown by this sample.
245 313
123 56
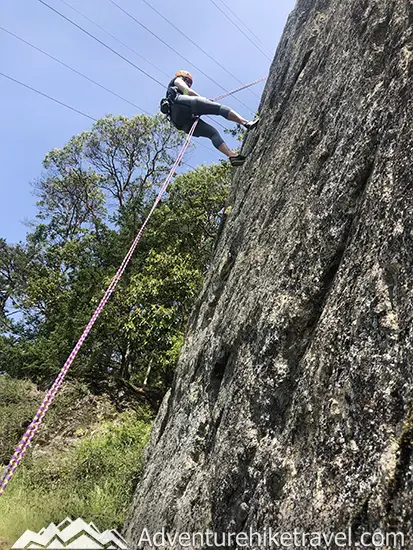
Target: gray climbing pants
185 109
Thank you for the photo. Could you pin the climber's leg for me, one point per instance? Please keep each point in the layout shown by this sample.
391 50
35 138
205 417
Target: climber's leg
203 129
203 106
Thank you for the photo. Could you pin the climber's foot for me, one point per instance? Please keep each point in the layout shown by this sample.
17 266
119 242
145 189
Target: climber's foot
238 160
252 124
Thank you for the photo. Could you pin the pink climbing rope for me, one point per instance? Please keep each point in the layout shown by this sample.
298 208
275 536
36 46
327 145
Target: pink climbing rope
241 88
52 392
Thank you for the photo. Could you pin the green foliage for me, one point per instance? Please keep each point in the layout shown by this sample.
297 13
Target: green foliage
75 407
160 297
192 213
92 200
87 460
95 480
18 403
237 132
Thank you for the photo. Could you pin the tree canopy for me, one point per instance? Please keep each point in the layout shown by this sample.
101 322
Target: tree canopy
92 199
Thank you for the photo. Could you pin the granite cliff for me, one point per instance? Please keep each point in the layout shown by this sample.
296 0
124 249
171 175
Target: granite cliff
292 402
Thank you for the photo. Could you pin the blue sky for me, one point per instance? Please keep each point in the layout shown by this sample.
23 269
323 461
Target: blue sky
31 125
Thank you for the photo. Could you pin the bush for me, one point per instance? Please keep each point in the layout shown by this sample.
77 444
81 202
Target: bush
94 480
19 401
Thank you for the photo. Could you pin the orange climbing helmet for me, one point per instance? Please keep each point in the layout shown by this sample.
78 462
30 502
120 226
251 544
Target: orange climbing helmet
186 76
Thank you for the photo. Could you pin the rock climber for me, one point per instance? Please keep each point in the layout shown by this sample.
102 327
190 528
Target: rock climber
185 105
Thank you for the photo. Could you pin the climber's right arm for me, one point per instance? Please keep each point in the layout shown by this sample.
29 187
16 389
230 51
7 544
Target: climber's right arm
184 88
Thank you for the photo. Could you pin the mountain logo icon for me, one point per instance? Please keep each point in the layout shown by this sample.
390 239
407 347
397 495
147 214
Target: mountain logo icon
76 534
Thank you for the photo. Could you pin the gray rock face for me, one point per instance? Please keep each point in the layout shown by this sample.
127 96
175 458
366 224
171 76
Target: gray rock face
292 403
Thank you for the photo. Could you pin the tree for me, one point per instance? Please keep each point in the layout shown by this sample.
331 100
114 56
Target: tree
93 197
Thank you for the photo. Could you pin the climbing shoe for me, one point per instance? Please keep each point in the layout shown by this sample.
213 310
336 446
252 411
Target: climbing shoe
252 124
238 160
